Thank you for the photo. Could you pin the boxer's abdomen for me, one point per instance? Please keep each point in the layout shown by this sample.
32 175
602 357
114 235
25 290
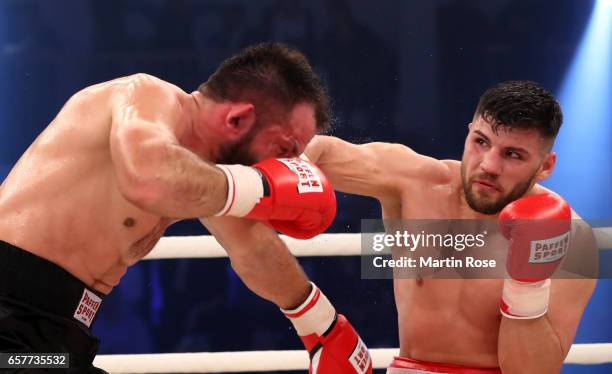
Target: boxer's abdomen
440 321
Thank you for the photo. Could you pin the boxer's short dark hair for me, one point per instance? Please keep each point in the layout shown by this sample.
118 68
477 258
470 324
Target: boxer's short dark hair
521 104
272 76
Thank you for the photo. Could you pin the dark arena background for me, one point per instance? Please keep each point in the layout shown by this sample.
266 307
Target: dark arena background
404 71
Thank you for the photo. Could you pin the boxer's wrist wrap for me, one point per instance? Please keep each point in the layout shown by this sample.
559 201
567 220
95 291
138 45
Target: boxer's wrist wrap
525 300
314 316
244 190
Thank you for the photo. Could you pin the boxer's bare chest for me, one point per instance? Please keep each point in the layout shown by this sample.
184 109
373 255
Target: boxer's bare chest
437 316
143 240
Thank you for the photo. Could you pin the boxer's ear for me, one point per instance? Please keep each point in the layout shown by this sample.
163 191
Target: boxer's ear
240 118
548 164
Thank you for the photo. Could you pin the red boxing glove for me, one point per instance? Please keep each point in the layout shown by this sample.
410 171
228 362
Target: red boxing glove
289 194
332 343
538 229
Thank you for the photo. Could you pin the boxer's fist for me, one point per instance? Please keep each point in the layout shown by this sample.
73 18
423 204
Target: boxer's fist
332 343
538 230
291 195
339 351
302 203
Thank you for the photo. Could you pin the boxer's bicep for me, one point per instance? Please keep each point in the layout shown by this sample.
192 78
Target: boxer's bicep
137 150
140 135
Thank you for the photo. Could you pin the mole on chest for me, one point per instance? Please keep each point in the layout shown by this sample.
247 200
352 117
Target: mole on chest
129 222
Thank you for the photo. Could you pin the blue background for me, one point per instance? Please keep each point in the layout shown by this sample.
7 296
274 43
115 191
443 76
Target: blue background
402 71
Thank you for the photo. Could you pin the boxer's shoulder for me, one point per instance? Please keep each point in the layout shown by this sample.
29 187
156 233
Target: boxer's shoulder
124 90
449 172
143 97
141 85
407 163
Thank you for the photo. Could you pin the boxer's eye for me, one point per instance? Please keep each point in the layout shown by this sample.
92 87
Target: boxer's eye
514 155
481 141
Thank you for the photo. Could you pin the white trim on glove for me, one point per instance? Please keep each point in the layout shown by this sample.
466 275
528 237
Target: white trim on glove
314 316
525 300
244 190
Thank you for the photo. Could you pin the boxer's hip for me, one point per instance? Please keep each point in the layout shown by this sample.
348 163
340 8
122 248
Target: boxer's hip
403 365
45 309
31 280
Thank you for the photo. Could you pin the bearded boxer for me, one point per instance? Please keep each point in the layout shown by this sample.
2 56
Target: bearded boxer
457 326
126 158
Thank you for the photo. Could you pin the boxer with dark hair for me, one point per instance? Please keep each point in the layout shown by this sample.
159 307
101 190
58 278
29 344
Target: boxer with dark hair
125 159
457 325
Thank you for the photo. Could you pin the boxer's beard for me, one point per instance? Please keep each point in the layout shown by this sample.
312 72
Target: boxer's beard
240 151
485 206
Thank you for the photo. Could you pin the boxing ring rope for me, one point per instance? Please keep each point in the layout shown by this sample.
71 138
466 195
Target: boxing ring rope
267 361
205 246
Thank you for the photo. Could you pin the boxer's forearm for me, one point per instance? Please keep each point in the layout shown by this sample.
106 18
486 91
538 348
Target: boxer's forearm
262 260
171 181
349 167
378 170
269 270
529 346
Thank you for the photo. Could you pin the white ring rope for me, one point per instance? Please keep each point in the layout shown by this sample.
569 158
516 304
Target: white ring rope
206 246
265 361
240 362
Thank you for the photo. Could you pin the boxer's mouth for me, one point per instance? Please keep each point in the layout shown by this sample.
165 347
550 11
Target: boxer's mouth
486 185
